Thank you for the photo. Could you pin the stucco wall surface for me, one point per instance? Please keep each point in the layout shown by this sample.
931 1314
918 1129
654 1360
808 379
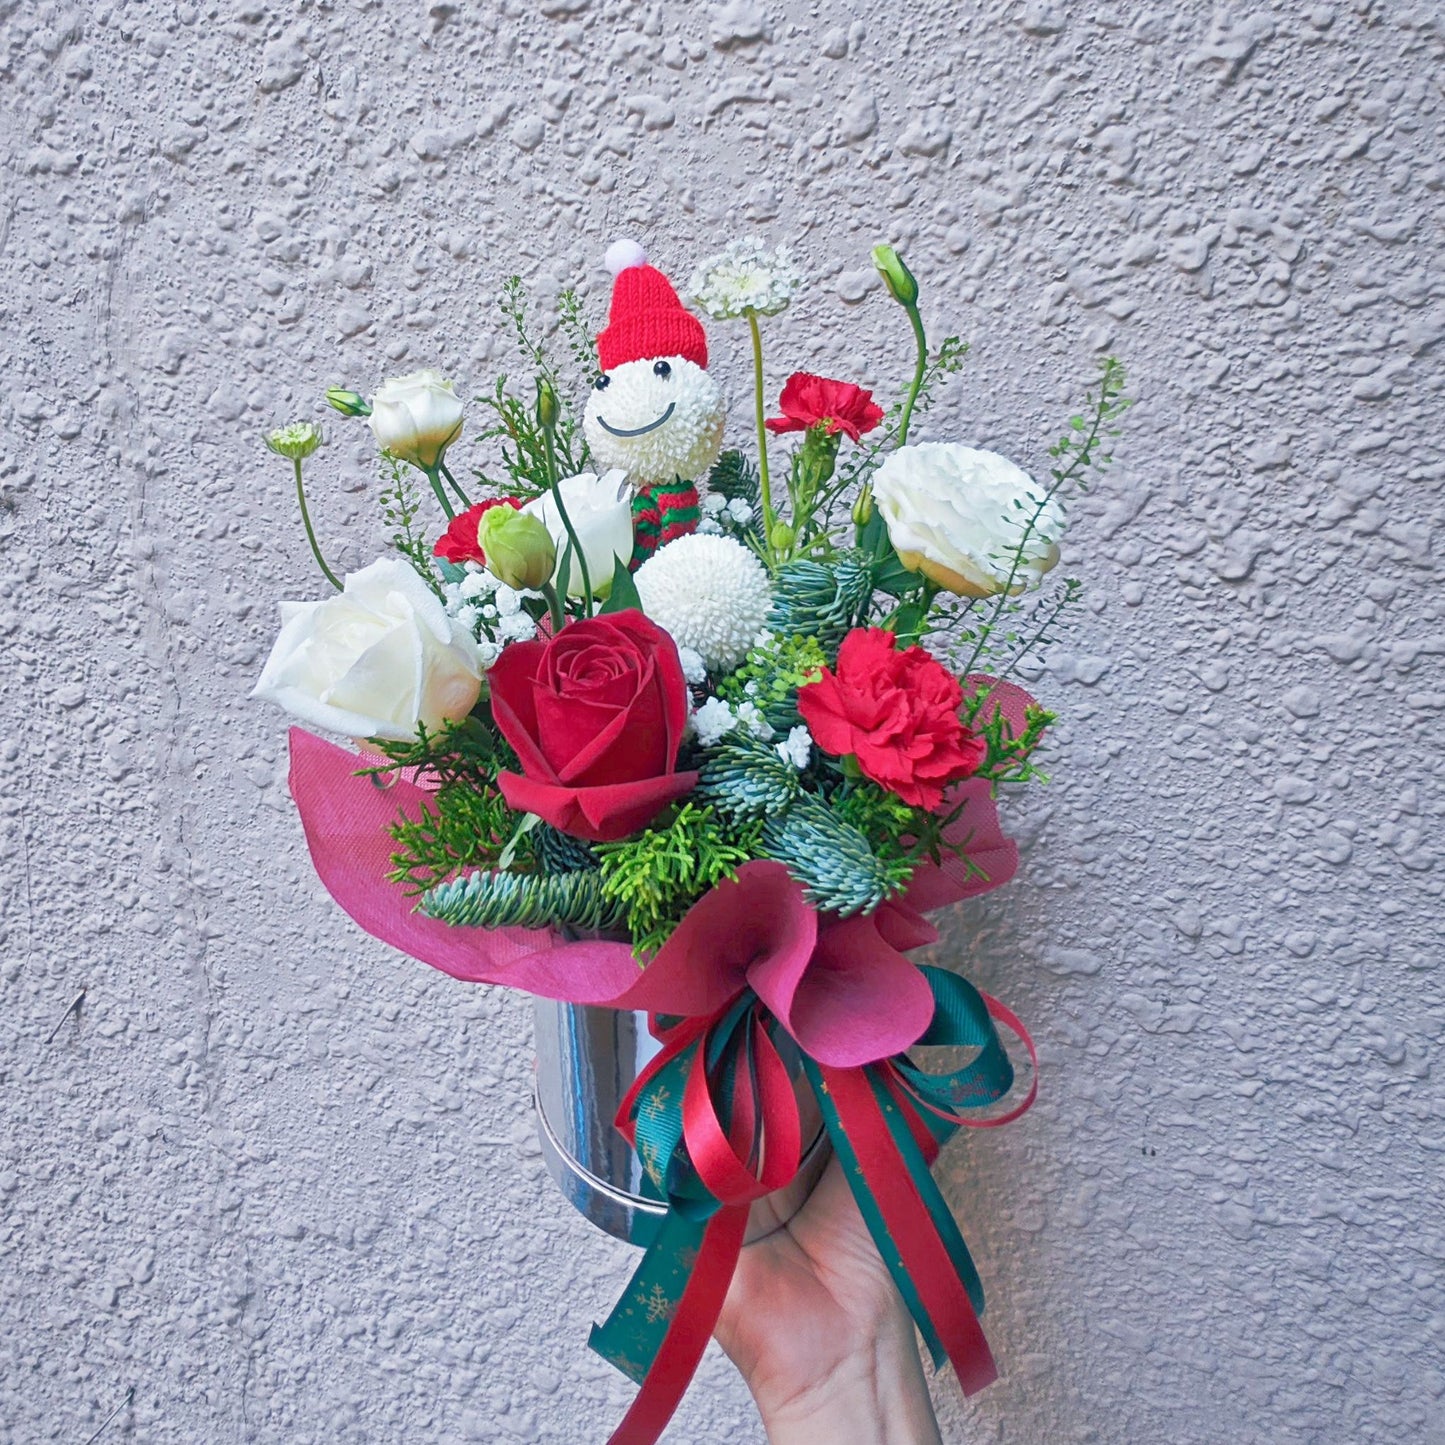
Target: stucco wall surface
273 1182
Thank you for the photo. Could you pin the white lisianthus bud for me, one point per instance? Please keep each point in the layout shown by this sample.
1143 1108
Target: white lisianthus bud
971 520
375 660
600 510
416 417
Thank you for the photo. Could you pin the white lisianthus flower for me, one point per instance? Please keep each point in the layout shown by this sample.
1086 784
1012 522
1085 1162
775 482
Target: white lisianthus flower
600 510
374 660
745 276
710 593
416 417
962 517
713 721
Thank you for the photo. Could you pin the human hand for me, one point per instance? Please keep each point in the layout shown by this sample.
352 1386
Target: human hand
816 1327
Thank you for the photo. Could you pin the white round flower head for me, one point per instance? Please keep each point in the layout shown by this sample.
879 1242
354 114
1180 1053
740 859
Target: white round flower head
961 516
710 593
657 419
745 276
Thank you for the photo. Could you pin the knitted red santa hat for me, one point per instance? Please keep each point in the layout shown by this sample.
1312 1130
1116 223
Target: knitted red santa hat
646 320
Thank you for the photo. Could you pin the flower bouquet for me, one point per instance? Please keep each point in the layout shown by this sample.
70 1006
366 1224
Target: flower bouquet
657 731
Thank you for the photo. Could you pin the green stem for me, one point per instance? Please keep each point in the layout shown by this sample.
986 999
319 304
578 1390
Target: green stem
455 485
310 531
919 366
433 475
760 408
554 608
551 448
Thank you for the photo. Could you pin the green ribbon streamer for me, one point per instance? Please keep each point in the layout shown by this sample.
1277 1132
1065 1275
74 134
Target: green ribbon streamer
634 1331
961 1020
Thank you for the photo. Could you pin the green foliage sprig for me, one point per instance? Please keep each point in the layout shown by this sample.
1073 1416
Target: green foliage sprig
573 324
733 476
833 860
524 900
465 751
400 508
771 676
1086 446
1010 754
825 600
521 438
744 779
654 878
457 827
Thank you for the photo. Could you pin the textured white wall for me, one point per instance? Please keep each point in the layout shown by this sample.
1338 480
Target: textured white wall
282 1183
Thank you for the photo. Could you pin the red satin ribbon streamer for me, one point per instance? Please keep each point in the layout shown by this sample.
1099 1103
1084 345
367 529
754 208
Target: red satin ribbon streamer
911 1229
756 1152
691 1328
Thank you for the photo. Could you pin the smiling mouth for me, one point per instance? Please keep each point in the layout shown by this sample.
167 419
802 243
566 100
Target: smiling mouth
638 431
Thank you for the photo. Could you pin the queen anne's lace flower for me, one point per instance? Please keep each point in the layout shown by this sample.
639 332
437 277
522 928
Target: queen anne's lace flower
745 276
710 593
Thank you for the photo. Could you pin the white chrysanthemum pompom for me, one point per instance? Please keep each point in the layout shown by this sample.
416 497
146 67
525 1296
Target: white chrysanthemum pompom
710 593
656 420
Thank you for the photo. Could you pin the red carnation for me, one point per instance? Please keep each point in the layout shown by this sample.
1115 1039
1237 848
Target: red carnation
459 542
595 715
836 406
897 713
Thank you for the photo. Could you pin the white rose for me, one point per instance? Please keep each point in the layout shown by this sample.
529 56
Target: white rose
961 517
416 417
374 660
600 510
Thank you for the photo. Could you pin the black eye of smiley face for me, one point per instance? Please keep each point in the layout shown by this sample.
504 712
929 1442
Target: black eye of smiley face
662 369
601 383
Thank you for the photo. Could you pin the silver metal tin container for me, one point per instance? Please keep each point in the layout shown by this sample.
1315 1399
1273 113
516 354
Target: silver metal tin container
587 1060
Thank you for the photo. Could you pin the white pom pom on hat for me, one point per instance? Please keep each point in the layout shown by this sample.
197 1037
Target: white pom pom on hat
623 255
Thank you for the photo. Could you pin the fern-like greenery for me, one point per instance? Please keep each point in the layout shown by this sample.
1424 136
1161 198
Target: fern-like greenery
654 878
1087 446
525 900
581 344
559 852
515 427
464 751
733 476
1010 754
457 828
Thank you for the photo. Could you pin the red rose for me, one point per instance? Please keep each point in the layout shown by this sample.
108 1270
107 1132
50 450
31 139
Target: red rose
809 400
459 542
595 715
897 713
